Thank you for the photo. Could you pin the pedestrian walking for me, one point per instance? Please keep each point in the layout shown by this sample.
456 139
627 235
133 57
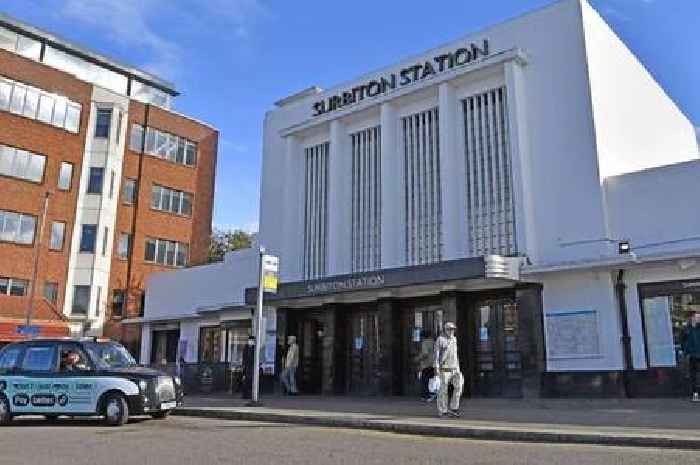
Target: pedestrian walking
248 366
691 347
291 362
447 366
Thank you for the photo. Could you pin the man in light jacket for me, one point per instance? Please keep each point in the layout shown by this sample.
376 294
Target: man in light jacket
447 366
291 362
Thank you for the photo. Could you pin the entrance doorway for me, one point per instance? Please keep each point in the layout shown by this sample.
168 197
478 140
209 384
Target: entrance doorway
364 357
498 370
310 370
420 327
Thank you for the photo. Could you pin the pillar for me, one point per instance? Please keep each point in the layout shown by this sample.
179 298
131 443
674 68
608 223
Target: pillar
531 338
328 348
339 187
452 178
393 219
293 220
389 382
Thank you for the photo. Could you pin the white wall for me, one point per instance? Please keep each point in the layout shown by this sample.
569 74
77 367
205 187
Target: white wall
181 293
565 202
637 125
586 290
656 209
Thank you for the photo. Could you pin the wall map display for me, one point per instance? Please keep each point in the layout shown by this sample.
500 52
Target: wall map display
572 334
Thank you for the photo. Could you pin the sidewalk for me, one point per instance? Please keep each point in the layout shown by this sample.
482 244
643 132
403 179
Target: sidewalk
668 423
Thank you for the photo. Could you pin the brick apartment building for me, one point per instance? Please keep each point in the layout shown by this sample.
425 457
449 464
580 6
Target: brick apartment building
101 183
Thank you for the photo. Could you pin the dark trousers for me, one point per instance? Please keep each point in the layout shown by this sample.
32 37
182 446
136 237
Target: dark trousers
694 365
247 386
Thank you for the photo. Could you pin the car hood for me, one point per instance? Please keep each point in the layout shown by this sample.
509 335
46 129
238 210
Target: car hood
135 372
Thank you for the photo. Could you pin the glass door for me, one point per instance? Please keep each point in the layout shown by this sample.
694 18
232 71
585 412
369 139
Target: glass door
498 357
363 367
420 328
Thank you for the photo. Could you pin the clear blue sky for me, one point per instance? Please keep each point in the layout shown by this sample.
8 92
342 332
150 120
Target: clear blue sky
232 59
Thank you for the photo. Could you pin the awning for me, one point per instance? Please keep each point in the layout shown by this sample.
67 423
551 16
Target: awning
8 329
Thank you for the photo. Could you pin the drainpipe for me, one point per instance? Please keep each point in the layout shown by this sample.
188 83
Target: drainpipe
620 288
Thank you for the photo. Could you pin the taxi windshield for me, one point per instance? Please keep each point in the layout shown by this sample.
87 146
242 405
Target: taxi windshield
108 355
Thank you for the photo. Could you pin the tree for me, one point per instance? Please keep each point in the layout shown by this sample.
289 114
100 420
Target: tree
228 241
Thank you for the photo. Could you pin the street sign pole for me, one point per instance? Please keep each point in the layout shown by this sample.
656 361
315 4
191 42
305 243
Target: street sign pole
37 253
267 282
255 402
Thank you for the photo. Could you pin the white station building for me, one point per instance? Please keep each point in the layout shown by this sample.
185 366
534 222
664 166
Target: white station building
531 182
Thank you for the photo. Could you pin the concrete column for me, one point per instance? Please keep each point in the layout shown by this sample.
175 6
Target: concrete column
293 201
520 156
339 186
452 178
531 338
390 342
146 337
329 366
393 222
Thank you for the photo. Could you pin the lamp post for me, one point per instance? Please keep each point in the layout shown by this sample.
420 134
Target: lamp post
37 254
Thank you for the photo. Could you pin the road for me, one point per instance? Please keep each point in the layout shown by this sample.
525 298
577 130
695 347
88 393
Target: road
181 440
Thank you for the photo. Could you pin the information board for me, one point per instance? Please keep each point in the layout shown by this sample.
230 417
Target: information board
572 334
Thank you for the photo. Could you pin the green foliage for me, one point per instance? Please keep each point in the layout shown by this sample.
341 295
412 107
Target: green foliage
227 241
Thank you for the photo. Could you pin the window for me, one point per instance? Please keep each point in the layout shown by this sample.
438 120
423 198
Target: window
9 359
366 199
17 227
666 319
164 145
120 116
111 184
130 191
57 232
136 138
170 200
39 358
316 210
124 246
88 238
209 344
21 164
422 200
95 181
51 292
489 198
118 301
81 300
103 121
13 287
104 241
97 301
37 104
65 176
167 253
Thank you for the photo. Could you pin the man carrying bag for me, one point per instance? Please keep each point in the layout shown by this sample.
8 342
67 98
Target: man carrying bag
447 368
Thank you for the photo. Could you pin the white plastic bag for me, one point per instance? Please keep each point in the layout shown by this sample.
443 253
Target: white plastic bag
434 384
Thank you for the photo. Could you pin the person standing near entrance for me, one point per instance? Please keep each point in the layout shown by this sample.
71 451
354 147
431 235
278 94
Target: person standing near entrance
248 363
291 362
447 366
691 346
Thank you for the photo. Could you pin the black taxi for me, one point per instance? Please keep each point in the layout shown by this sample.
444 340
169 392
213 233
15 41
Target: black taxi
74 377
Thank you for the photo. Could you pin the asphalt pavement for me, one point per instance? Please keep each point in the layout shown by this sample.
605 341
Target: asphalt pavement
180 440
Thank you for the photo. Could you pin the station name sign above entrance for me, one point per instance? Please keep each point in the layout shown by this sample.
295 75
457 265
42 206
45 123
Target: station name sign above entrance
349 284
407 76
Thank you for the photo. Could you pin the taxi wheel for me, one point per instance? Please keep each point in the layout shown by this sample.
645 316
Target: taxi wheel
160 415
5 412
51 418
116 410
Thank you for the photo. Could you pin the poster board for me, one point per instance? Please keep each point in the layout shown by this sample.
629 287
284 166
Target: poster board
572 334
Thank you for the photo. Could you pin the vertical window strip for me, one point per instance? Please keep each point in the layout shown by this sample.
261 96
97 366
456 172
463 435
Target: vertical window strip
488 175
366 199
315 241
423 206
